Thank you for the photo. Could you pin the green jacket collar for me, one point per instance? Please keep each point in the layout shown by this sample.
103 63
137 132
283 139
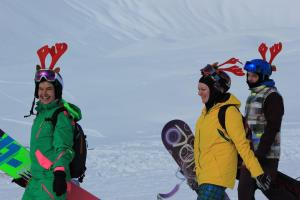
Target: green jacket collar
42 107
72 109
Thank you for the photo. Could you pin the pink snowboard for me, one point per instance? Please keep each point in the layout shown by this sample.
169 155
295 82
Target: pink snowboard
75 192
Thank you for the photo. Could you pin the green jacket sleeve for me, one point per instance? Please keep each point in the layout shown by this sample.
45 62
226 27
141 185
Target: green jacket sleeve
63 141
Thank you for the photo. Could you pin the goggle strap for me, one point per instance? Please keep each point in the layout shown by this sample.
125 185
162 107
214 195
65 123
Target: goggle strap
31 110
59 79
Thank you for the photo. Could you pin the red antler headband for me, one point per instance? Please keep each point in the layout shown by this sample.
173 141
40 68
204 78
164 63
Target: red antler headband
55 51
274 50
236 70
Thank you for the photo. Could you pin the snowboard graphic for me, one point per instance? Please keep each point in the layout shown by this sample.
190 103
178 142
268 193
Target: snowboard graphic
14 158
178 139
15 162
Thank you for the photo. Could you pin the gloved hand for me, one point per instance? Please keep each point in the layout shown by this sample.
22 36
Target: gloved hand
263 181
59 183
20 181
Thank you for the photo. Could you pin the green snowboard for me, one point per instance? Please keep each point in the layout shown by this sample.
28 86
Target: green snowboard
14 158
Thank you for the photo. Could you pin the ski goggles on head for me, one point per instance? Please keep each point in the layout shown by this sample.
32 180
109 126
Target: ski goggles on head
210 71
215 74
49 75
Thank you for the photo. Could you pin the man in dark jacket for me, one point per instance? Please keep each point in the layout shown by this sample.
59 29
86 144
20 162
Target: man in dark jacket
264 112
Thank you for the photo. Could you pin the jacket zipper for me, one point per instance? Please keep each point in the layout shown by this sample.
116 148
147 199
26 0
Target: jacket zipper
46 190
40 129
199 151
58 157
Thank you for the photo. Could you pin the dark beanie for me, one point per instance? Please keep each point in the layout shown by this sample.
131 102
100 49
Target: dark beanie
215 95
207 80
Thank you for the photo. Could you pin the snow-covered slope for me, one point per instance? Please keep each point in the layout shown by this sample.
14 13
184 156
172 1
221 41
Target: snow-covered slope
131 66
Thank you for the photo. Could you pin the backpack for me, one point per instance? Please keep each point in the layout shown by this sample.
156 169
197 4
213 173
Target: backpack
78 164
221 118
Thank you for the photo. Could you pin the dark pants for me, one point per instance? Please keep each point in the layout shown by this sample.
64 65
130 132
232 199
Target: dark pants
247 185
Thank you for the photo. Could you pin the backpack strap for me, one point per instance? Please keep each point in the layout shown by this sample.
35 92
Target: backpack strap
221 115
53 119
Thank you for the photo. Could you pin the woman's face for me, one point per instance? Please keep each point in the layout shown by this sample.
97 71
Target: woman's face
46 92
203 92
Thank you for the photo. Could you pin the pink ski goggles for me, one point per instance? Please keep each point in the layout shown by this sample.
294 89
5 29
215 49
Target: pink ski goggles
49 75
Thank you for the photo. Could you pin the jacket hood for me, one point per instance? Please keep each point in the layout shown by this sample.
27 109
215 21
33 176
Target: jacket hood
73 110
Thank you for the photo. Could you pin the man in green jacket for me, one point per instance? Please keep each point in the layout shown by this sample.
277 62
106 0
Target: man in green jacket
51 148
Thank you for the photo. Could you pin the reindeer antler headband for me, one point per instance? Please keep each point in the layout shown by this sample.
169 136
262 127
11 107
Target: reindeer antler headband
55 51
236 70
274 50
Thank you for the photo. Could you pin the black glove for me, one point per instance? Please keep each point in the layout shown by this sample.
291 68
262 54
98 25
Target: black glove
263 182
59 183
20 181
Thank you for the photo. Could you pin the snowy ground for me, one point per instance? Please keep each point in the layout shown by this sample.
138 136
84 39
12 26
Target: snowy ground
133 65
141 169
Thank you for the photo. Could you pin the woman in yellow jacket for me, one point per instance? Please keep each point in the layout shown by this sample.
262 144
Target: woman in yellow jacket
216 150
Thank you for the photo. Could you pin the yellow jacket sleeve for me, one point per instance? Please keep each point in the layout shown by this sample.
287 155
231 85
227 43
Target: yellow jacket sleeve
235 129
